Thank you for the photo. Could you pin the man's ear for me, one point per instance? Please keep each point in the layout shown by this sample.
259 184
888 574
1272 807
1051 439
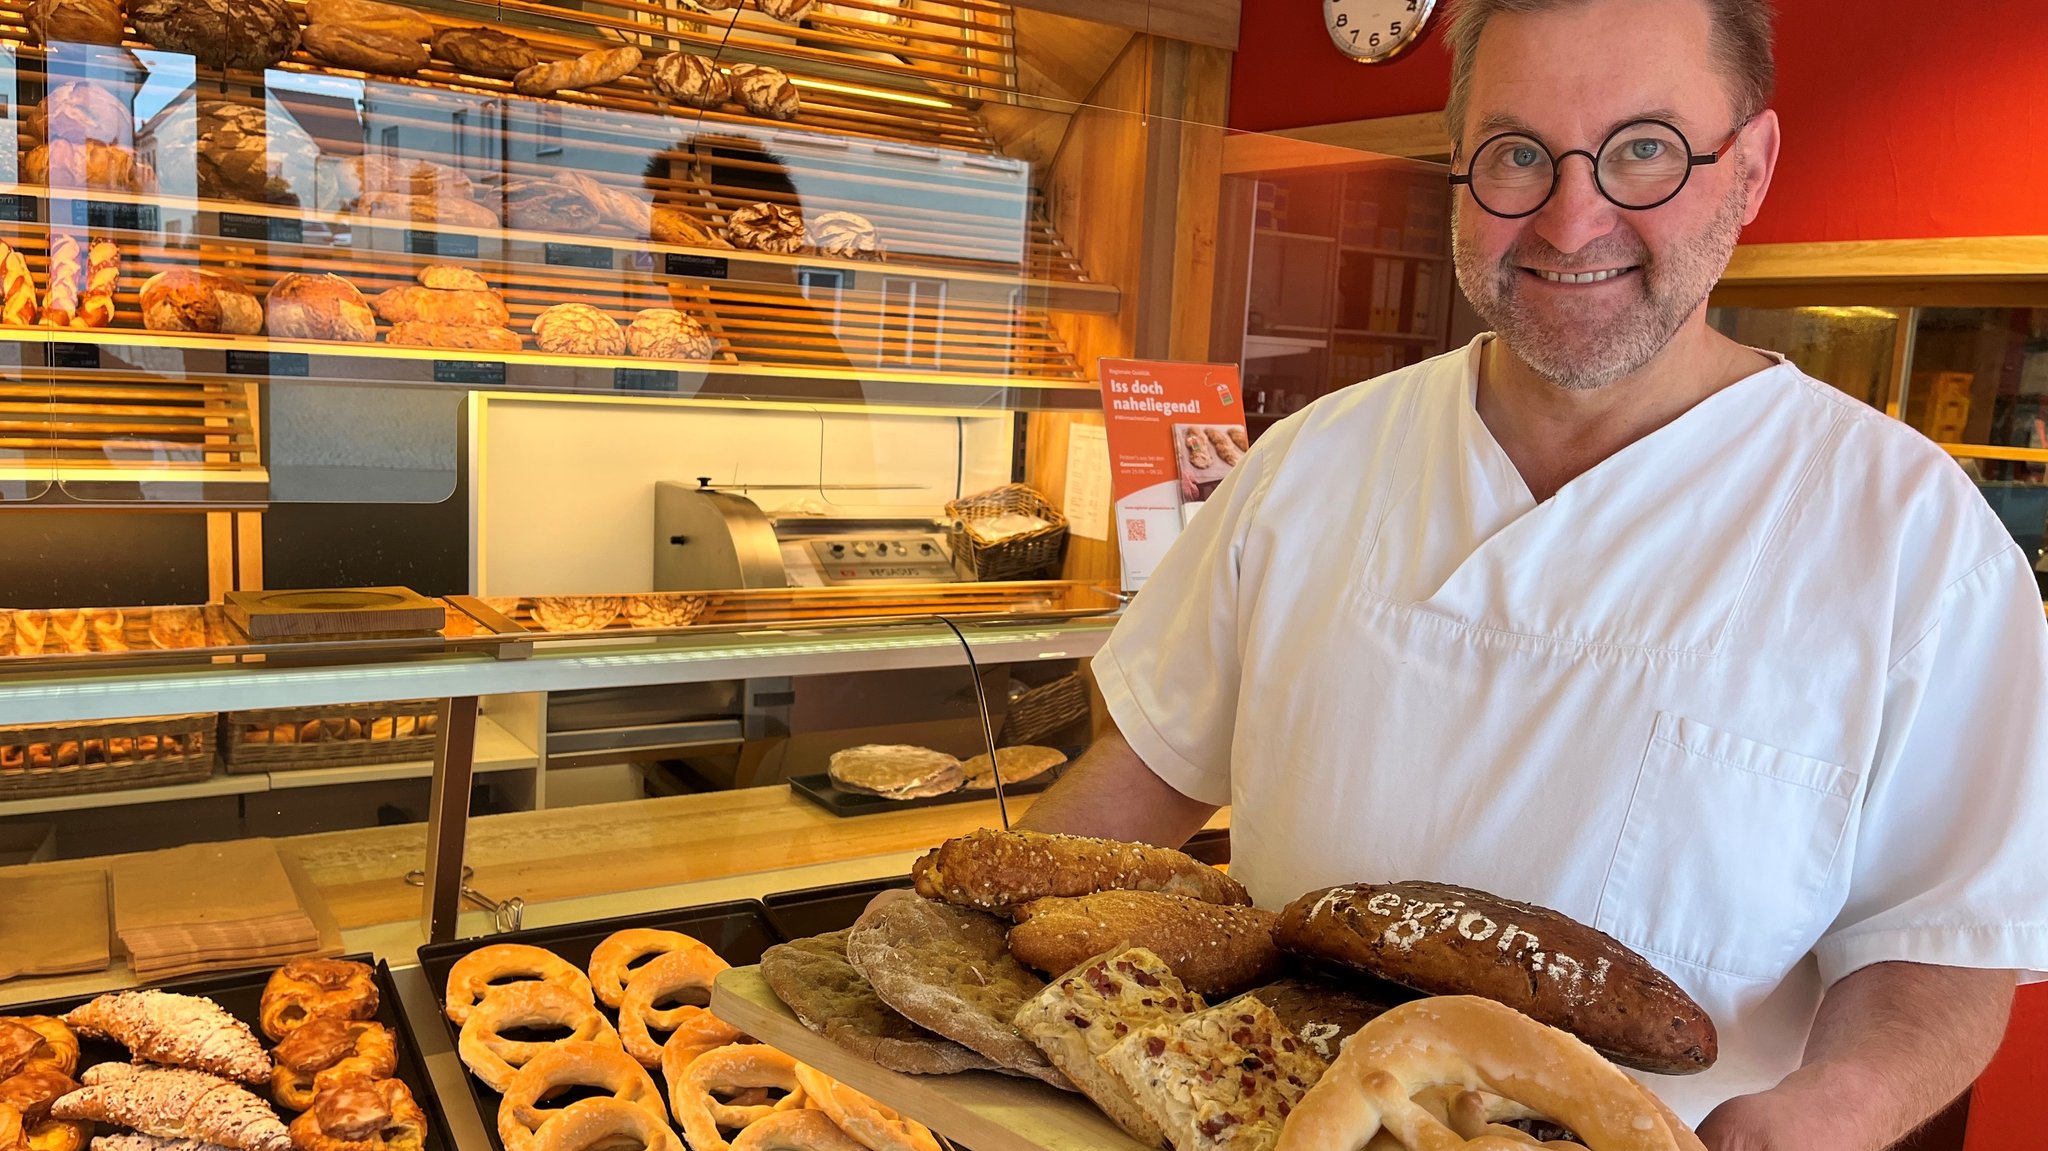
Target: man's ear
1759 161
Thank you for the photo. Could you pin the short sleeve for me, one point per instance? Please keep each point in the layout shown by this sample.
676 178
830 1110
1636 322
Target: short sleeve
1948 865
1170 671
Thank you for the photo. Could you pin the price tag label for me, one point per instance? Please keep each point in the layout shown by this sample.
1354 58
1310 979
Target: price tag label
74 356
421 243
17 208
646 380
702 267
267 364
96 214
242 226
578 256
487 373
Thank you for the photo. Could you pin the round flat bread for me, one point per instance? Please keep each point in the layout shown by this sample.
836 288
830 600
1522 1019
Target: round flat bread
1016 763
895 771
949 969
812 977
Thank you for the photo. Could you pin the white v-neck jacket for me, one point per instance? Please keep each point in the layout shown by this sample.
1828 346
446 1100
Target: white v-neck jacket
1764 695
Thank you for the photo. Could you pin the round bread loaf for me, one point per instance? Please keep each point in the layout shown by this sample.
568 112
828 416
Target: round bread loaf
81 111
485 51
845 234
252 34
666 334
691 79
318 306
195 300
1001 870
366 49
767 227
579 330
787 11
1447 940
77 21
765 91
369 16
238 151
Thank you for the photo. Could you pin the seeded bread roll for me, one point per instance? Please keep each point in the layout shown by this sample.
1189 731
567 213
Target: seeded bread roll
1215 949
1447 940
998 871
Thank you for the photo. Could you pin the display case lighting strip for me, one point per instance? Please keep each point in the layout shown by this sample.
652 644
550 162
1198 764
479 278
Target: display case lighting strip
871 93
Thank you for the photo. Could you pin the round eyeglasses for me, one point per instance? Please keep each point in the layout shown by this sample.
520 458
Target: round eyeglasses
1641 165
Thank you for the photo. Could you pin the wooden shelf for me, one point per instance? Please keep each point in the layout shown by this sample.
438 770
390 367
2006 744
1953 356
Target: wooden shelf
1393 253
1273 347
1282 234
1389 337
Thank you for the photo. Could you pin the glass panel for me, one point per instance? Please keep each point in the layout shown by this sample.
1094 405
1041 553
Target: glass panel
1979 387
1852 348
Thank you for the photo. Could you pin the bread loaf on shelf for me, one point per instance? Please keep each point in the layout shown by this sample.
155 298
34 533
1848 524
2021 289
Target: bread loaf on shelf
77 21
578 329
765 91
102 275
409 302
352 179
251 34
586 71
484 51
845 234
239 151
672 225
476 337
427 209
17 310
666 334
79 111
63 280
690 79
767 227
451 277
366 49
318 306
369 16
63 164
196 300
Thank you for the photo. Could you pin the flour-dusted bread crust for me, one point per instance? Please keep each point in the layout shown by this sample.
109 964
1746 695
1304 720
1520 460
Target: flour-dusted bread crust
998 871
1322 1015
948 969
814 980
1214 948
895 771
1224 1079
1095 1006
1017 764
1448 940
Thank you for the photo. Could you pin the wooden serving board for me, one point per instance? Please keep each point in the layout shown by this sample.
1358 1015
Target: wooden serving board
978 1109
313 612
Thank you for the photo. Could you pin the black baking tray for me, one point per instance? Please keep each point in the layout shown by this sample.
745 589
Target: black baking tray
240 993
1211 847
819 789
822 910
738 931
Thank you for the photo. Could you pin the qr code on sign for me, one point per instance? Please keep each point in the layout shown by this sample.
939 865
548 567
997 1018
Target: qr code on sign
1134 531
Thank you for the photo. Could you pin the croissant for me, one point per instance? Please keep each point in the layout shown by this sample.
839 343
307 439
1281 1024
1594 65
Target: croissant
176 1104
178 1030
136 1141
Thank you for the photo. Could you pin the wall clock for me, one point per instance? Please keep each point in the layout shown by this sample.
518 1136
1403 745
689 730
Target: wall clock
1375 31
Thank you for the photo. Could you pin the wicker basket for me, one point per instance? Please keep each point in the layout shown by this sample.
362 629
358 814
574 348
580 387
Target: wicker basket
1031 555
47 759
335 736
1045 709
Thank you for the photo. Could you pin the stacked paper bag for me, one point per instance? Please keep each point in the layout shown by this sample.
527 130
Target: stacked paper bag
53 921
213 906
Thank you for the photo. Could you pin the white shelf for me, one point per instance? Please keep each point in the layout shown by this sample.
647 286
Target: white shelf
1273 347
218 784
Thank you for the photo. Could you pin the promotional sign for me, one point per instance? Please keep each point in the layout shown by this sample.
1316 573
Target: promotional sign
1175 430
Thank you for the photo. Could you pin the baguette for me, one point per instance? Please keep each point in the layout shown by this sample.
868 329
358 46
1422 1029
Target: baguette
998 871
588 70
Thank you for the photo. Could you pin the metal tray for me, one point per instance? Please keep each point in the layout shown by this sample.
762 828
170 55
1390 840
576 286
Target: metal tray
738 931
240 993
820 790
823 910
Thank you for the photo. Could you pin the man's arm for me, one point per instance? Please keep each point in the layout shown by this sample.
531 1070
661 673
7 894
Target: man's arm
1892 1045
1109 792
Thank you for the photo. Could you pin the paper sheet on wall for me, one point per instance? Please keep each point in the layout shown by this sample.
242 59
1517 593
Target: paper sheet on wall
1087 502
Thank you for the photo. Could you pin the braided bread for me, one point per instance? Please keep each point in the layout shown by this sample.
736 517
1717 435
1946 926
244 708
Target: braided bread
102 274
17 289
66 276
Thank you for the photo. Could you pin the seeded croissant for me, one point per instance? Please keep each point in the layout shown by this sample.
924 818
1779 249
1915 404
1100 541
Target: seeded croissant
176 1104
176 1030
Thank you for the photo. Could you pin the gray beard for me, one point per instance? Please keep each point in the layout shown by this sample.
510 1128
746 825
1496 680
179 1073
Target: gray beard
1580 348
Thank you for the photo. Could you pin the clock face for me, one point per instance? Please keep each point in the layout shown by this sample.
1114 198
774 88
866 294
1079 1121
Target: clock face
1375 31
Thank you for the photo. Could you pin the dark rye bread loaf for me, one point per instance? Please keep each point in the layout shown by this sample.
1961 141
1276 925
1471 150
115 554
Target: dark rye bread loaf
998 871
1447 940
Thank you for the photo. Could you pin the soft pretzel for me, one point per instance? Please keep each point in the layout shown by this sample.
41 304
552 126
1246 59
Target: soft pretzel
306 988
697 1035
1466 1041
867 1121
690 967
327 1052
804 1130
480 971
730 1069
494 1058
611 961
609 1124
380 1116
567 1065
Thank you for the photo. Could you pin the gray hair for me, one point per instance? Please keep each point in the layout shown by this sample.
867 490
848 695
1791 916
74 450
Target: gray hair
1740 43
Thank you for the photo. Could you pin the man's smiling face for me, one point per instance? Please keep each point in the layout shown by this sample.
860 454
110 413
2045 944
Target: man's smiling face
1583 291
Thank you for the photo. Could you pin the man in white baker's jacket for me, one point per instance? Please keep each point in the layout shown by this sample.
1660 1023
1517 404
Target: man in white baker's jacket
1609 613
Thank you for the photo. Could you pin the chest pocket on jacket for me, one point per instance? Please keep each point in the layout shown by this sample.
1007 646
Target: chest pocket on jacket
1726 851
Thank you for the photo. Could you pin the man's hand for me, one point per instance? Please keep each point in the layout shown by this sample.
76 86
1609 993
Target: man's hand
1781 1119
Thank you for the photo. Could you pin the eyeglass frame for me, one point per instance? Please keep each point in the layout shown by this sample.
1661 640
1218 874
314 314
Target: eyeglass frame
1557 159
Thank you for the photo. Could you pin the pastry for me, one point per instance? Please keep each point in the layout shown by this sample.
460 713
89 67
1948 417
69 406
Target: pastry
102 276
58 1135
427 209
175 1104
17 293
578 329
441 306
1446 940
870 1123
365 49
787 11
802 1129
1226 448
575 612
1215 949
765 91
79 111
949 970
612 958
493 1058
63 164
1466 1042
77 21
845 234
693 1037
672 225
606 1125
196 300
662 609
586 71
1092 1008
814 980
177 1030
451 277
181 627
895 771
362 1116
137 1141
481 971
251 34
1223 1079
1017 765
691 79
369 16
1324 1015
318 306
68 633
29 1093
666 334
728 1070
687 966
65 278
239 151
18 1042
999 870
563 1067
484 51
306 989
469 337
764 227
59 1050
327 1052
109 629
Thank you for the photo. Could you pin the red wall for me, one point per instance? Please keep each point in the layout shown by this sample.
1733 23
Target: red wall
1902 119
